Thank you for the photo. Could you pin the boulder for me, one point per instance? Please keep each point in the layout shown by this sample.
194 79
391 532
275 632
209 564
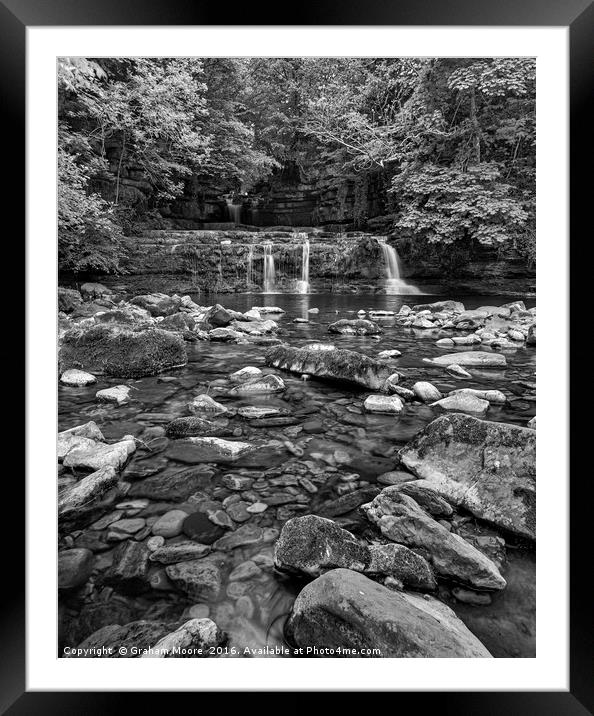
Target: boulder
68 438
224 335
95 290
83 493
158 304
402 520
462 403
400 562
205 404
383 404
119 394
437 306
355 327
245 375
125 314
312 545
122 351
264 384
472 358
426 392
68 299
495 397
132 638
346 610
337 364
178 322
485 467
531 337
383 355
218 316
194 639
95 456
77 378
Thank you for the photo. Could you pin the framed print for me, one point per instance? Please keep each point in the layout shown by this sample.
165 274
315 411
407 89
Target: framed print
281 353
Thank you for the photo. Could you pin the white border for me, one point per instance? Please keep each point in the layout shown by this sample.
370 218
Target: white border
549 670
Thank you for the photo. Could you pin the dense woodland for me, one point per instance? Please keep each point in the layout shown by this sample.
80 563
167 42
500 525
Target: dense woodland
454 141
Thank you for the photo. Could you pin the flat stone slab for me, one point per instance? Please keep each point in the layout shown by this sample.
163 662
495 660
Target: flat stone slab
472 358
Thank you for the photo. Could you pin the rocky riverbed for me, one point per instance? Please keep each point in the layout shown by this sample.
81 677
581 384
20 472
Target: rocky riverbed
279 475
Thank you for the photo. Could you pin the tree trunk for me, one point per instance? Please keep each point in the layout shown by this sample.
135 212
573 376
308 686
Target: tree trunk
475 126
117 194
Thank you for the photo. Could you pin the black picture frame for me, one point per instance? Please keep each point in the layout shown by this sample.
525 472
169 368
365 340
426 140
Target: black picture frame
578 15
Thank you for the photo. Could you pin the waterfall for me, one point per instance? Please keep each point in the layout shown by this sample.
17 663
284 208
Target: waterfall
269 273
303 284
234 211
249 278
394 284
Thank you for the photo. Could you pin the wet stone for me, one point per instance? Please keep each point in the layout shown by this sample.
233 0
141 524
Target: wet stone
200 528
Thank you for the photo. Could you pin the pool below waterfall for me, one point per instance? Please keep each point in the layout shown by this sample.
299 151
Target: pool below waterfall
331 436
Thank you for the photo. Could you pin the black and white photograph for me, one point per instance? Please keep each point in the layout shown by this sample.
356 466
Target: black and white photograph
297 357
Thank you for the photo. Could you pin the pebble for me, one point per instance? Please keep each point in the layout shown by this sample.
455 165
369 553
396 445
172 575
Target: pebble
170 524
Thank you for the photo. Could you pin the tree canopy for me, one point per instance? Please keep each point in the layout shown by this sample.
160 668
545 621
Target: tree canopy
452 139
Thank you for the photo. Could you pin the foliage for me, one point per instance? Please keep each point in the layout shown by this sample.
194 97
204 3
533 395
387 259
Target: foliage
451 140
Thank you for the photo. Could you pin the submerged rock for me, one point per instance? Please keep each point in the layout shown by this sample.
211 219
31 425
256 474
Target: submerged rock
198 578
355 327
129 569
122 351
462 403
195 427
265 384
401 519
179 552
472 358
337 364
74 567
486 467
492 396
457 371
345 609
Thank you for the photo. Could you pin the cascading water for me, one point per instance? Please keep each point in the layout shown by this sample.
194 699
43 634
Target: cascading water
269 272
303 284
249 278
234 211
394 285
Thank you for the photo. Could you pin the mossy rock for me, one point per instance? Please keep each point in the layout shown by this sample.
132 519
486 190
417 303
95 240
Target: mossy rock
122 351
